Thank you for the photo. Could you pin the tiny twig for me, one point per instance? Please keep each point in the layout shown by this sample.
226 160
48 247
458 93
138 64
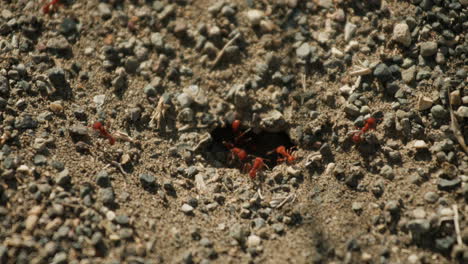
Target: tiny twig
455 126
286 200
119 166
457 224
221 53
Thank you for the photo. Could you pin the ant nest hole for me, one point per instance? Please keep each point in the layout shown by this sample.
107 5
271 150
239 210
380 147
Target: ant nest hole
237 146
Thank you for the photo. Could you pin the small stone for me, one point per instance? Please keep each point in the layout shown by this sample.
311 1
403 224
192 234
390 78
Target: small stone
387 172
104 10
431 197
122 219
238 233
59 45
419 213
392 206
60 258
455 97
150 90
349 31
420 144
31 222
157 40
206 242
424 103
439 112
110 215
356 207
63 178
462 111
402 34
447 185
255 16
148 181
278 228
68 26
253 241
419 226
126 233
445 243
40 160
184 100
26 122
103 179
303 51
382 72
428 48
187 209
131 64
409 74
352 110
106 195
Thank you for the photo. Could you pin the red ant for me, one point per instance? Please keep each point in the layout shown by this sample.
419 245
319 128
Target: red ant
46 7
286 153
102 130
370 123
258 164
240 153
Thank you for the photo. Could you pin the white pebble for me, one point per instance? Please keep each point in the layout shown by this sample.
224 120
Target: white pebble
253 241
255 16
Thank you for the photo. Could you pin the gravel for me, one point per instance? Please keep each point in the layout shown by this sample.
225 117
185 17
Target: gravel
310 71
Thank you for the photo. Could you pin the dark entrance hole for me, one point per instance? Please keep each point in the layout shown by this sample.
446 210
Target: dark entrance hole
262 144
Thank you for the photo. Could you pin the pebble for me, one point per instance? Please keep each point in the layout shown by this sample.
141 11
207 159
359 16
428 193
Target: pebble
401 34
31 221
60 258
439 112
382 72
205 242
253 241
255 16
187 209
303 51
122 219
428 48
63 178
238 232
455 98
419 213
420 144
409 74
106 195
103 179
419 227
148 181
150 90
278 228
448 185
462 111
431 197
184 100
356 207
104 10
349 31
424 103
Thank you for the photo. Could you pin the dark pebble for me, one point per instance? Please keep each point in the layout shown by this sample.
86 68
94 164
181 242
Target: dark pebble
382 72
148 181
63 178
103 179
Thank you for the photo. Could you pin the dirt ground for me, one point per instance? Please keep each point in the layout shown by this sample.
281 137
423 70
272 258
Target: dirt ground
339 201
